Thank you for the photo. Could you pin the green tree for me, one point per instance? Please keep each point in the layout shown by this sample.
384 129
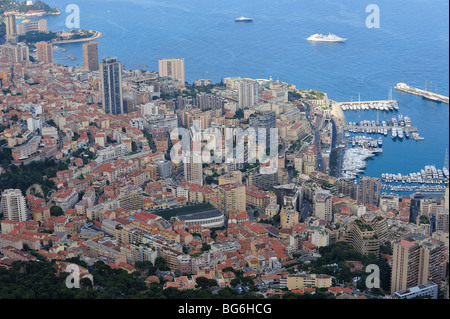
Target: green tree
235 282
160 264
205 247
239 114
56 211
205 283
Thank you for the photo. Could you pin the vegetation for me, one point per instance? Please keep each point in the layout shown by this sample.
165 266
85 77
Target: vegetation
315 95
22 7
333 162
5 156
341 252
239 114
294 96
82 34
240 279
423 219
2 32
295 146
38 280
23 176
35 36
56 211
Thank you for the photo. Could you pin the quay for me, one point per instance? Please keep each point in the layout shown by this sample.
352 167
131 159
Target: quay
426 94
379 127
380 105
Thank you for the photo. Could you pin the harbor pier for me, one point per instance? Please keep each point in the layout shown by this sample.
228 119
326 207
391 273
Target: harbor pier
375 128
426 94
380 105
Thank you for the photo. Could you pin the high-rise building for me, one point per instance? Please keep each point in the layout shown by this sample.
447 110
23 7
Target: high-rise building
366 234
193 169
173 68
163 168
288 217
368 191
347 187
11 26
446 197
190 117
32 26
442 219
44 52
206 101
15 53
248 93
231 197
264 120
13 205
112 96
417 260
323 206
263 181
90 56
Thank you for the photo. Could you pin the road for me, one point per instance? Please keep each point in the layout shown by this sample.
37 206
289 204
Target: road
336 139
306 210
316 135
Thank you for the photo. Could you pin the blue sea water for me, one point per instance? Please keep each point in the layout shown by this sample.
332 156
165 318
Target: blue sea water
411 46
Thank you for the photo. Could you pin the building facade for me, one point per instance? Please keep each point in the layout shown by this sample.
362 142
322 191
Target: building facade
90 56
13 205
231 197
173 68
248 93
417 260
368 191
44 51
112 95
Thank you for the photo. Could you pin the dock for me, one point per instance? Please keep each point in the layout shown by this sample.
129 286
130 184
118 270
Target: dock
375 128
380 105
426 94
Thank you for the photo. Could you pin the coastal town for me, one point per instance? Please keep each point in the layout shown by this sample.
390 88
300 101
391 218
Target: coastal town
87 178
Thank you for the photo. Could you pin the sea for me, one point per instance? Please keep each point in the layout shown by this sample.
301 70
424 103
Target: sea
398 41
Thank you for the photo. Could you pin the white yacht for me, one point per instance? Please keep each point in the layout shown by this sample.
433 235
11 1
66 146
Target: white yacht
325 38
243 19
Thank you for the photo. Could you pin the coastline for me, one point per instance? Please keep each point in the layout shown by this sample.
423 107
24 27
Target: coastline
97 35
26 15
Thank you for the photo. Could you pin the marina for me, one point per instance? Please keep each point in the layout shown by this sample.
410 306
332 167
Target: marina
354 161
367 142
428 175
414 188
359 148
387 105
399 127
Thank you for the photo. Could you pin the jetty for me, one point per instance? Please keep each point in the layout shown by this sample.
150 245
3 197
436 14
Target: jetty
426 94
376 128
381 105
